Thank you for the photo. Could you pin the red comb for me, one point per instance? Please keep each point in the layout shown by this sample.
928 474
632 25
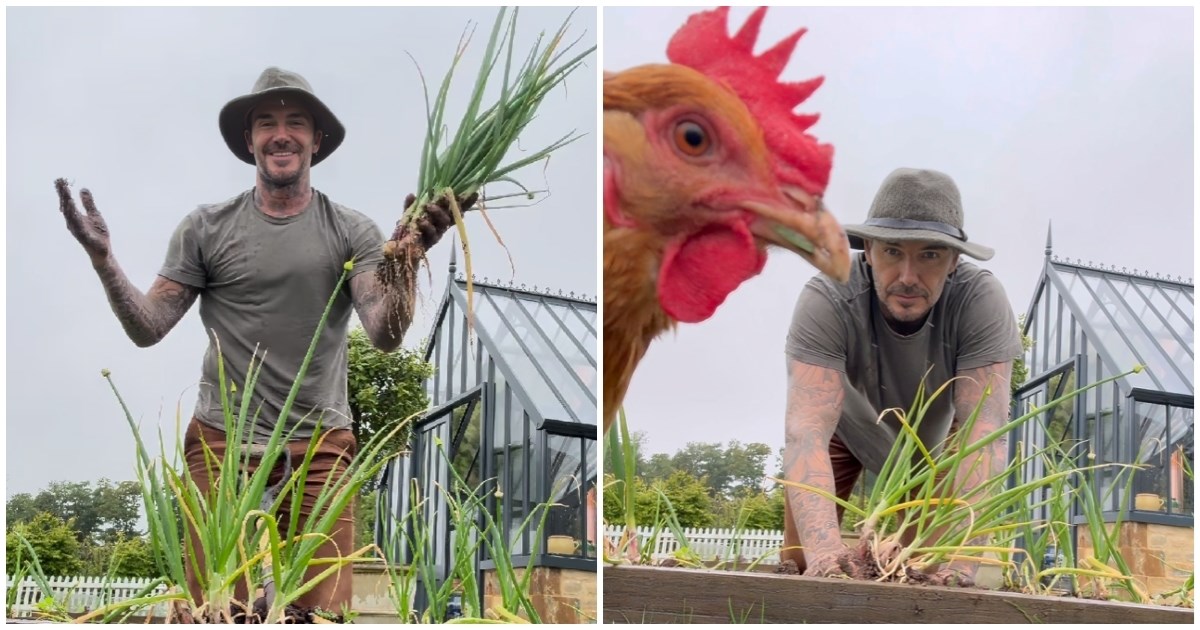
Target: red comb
704 45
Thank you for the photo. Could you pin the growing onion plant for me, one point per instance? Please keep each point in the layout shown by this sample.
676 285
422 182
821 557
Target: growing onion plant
915 520
243 546
455 166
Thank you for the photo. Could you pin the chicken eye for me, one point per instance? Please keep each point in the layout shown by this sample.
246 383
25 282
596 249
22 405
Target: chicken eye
691 138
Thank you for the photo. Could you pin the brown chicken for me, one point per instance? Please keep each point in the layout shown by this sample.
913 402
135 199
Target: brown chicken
705 165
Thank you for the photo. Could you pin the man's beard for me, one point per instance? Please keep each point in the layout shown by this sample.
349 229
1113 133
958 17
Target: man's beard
906 316
280 181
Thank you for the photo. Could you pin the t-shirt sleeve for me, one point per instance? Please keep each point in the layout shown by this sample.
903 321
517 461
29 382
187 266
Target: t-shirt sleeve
366 243
184 261
987 331
818 332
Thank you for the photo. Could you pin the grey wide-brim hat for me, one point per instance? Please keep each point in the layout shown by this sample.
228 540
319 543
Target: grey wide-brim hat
917 205
277 83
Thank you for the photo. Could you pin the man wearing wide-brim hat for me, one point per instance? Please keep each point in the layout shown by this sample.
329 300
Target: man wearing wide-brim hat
911 311
264 265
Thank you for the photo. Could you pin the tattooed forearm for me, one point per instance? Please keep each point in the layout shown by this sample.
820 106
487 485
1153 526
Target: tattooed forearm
814 405
146 317
994 381
385 315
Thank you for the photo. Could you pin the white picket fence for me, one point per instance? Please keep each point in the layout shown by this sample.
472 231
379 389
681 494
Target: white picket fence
710 543
80 594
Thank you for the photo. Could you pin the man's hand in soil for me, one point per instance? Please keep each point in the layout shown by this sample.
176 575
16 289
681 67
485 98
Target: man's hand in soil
954 574
437 217
89 229
841 562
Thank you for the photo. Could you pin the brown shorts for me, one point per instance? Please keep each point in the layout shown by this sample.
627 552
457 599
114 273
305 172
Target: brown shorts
333 456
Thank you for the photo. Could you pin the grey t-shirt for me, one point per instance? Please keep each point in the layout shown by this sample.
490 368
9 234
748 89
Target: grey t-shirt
264 284
841 327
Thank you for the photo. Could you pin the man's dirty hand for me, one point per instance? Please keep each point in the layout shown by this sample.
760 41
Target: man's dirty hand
954 574
89 229
841 562
437 217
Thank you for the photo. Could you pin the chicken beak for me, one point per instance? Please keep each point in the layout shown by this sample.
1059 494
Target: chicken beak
804 226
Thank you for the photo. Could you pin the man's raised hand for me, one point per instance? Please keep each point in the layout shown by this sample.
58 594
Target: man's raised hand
89 229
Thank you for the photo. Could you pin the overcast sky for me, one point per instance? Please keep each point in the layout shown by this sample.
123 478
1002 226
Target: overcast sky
125 102
1080 116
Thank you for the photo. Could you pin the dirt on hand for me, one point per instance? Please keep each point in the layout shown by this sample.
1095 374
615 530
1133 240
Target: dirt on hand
942 577
787 567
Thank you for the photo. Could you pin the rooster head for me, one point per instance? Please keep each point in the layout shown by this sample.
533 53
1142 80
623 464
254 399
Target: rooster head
707 153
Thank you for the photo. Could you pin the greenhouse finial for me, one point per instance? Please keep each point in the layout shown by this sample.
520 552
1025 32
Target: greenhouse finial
453 256
1049 249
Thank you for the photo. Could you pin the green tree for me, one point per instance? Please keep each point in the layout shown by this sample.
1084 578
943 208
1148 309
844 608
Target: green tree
758 510
53 541
689 499
100 514
124 557
658 467
729 470
688 496
364 519
133 558
1020 371
20 508
384 387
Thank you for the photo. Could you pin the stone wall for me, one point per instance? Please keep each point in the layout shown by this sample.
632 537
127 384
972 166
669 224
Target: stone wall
559 595
1160 557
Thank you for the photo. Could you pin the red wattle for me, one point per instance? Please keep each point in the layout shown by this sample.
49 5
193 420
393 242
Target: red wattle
699 271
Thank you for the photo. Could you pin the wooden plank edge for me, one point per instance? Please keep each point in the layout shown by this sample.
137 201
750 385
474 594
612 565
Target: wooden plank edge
634 594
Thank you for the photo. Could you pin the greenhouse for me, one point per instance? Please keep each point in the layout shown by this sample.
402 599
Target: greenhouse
512 407
1089 322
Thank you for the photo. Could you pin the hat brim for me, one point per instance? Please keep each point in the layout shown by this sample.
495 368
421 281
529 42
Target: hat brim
856 234
233 121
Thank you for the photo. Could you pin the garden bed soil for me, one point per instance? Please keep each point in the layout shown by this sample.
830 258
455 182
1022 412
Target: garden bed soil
639 594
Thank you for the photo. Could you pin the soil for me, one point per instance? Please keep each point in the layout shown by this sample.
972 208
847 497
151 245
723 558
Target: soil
860 565
291 614
397 273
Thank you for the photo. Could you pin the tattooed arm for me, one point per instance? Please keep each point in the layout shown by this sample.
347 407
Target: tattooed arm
146 317
987 463
814 404
385 314
992 460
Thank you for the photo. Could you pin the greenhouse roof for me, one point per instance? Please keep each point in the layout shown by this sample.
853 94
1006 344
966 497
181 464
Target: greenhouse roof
1134 318
545 339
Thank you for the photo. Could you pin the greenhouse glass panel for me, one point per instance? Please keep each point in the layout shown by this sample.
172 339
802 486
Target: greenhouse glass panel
1166 436
1159 296
1183 298
567 492
1165 326
575 325
1182 457
518 360
452 381
466 442
1168 375
1050 329
1111 344
474 353
568 367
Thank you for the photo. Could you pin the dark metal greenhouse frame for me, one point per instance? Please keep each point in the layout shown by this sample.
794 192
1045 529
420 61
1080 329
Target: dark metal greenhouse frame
1089 323
523 381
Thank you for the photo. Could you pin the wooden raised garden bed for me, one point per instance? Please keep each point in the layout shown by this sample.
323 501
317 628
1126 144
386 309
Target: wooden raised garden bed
636 594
